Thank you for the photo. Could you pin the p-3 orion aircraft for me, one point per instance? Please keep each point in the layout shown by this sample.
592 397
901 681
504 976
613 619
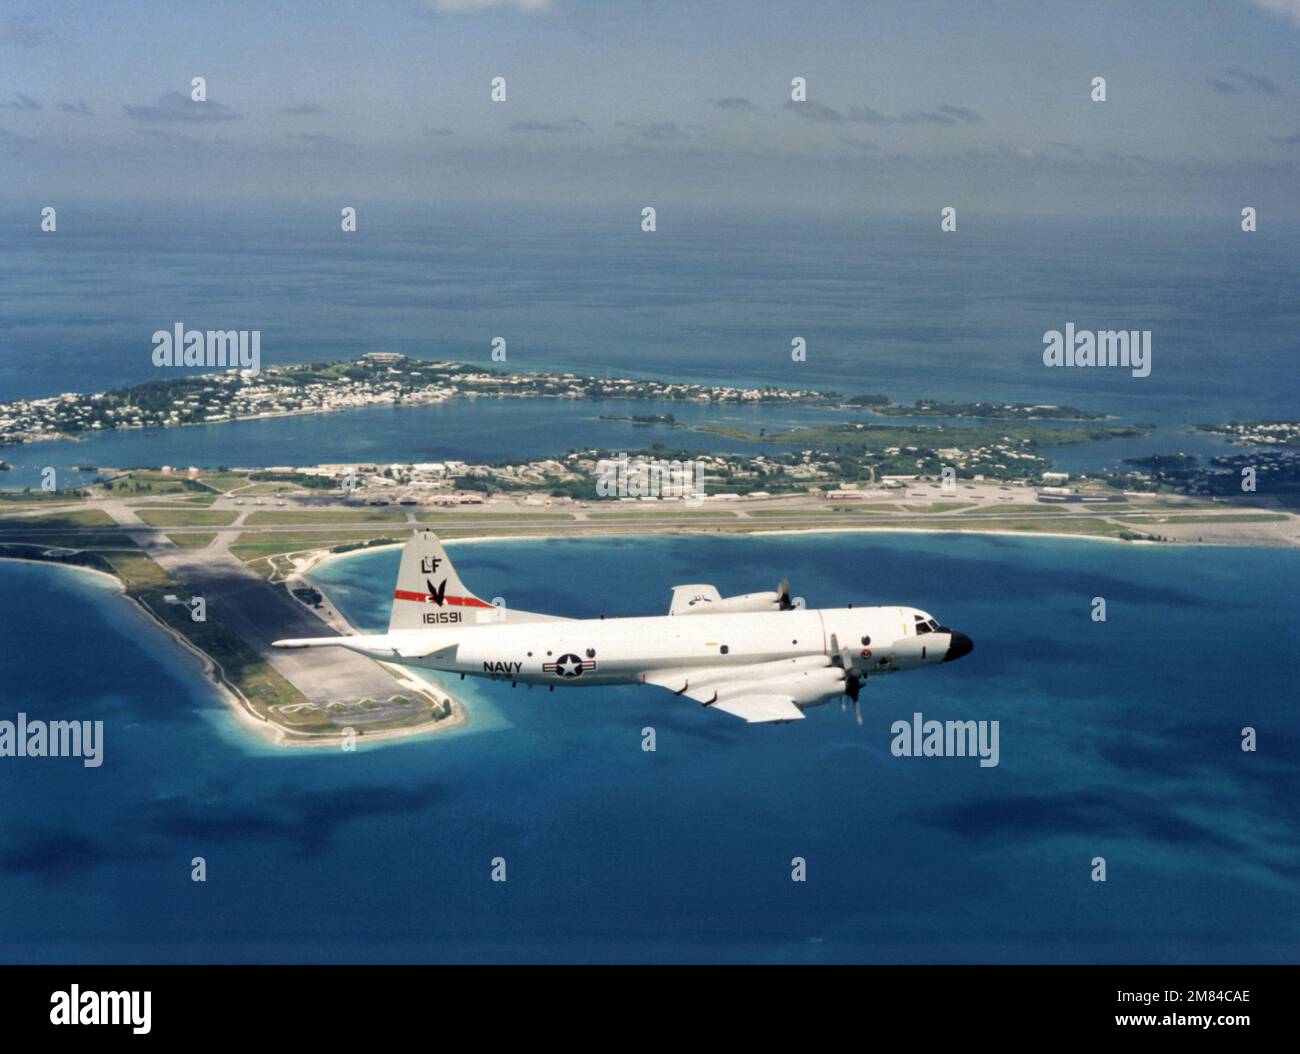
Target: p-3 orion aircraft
757 656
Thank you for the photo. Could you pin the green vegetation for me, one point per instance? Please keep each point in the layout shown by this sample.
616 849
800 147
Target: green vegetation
188 499
642 419
990 411
151 481
27 496
187 517
221 479
1150 519
468 513
939 506
307 480
52 555
255 545
192 540
1078 525
83 517
655 509
361 514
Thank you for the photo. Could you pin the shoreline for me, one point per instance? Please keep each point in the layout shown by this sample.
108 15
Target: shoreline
238 705
314 559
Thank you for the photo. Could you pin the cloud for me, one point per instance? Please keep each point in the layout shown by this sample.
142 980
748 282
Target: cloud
21 102
947 114
470 7
1260 85
15 138
962 113
737 104
812 110
1281 8
438 131
303 109
1236 81
1223 87
866 115
79 108
858 144
176 106
659 132
176 139
570 124
319 142
1289 140
924 117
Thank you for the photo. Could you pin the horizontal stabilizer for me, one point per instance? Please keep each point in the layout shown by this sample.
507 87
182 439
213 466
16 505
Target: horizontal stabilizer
377 645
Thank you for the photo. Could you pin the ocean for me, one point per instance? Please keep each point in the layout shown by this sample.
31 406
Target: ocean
1118 740
886 304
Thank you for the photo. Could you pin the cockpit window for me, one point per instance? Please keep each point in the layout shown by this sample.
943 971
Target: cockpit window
925 625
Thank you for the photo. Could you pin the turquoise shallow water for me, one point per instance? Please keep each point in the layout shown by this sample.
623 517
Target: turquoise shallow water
1118 740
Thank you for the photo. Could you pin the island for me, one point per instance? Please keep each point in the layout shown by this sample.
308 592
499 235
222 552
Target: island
220 557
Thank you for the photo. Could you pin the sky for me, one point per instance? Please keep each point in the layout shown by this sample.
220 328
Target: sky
911 105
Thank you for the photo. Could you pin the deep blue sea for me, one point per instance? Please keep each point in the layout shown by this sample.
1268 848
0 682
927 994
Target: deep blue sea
1118 739
886 304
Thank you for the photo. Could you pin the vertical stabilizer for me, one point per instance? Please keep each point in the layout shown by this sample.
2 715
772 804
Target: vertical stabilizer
429 592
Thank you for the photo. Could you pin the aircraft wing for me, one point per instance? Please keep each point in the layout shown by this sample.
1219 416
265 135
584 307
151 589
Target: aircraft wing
747 692
760 708
693 600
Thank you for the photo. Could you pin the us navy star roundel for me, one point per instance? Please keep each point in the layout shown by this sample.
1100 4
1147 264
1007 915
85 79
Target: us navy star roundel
569 666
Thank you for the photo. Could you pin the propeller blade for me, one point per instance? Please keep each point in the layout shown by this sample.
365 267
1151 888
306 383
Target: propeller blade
783 595
857 712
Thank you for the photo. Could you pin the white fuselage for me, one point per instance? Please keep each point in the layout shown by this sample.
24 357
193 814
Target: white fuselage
623 650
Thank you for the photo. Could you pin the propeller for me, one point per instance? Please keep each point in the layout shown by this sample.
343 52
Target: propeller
854 678
783 601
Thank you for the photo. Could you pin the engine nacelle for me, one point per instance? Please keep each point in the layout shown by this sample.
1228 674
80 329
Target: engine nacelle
768 601
705 600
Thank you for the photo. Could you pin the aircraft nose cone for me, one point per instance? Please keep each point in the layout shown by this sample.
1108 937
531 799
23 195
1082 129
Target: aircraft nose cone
961 645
